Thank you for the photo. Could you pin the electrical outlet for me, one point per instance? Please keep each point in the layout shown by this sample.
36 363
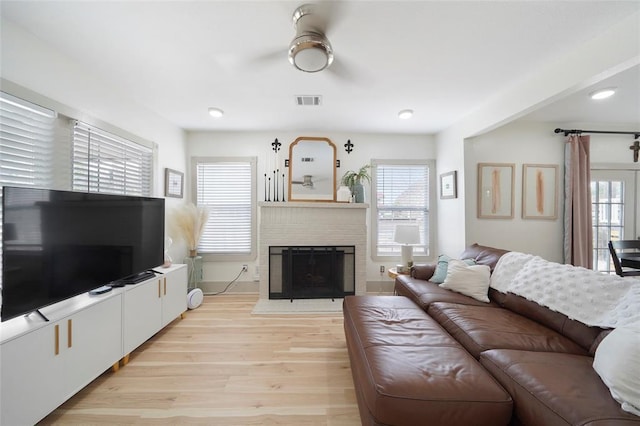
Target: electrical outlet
382 269
245 268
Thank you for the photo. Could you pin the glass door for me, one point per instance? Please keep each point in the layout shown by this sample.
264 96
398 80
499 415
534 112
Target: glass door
615 211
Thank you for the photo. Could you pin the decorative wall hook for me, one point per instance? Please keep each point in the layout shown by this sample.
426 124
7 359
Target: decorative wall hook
276 145
348 146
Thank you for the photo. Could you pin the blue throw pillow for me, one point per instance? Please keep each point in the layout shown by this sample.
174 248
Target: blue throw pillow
443 265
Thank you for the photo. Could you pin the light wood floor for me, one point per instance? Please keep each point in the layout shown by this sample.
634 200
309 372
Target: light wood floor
221 365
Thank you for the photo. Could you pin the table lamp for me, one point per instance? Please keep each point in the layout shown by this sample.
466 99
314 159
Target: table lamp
407 235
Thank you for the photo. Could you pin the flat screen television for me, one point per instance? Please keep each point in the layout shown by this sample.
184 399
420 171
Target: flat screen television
58 244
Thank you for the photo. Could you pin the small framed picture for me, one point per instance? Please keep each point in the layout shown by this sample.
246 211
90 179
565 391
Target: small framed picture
495 190
449 185
540 191
173 183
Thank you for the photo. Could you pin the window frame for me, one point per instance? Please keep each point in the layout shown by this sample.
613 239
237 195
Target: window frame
253 161
431 209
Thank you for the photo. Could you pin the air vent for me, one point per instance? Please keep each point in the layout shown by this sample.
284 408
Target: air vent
308 100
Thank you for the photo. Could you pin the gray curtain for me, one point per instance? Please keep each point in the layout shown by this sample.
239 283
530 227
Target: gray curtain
578 232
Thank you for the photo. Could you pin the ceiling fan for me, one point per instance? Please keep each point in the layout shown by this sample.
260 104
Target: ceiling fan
307 182
310 50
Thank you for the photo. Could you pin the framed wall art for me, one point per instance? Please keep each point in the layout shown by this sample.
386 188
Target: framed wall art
449 185
540 191
173 183
495 190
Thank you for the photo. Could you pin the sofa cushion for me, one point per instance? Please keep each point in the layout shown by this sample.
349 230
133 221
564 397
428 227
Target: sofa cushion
483 255
429 378
393 320
424 293
442 267
480 328
580 333
555 389
617 362
470 280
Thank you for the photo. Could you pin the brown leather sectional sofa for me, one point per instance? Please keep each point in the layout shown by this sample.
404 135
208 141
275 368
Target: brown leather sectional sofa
430 356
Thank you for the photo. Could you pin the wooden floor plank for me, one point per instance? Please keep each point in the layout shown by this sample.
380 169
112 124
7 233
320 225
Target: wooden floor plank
221 365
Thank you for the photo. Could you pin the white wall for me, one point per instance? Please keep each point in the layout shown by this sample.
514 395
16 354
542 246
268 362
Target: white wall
366 147
28 62
599 58
451 236
523 142
517 143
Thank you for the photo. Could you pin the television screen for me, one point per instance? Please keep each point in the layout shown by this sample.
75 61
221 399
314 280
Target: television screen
58 244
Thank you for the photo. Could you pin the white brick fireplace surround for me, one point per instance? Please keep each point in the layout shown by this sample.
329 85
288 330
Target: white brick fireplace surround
313 224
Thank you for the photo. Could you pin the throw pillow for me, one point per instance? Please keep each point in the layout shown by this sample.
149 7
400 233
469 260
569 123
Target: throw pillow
470 280
441 268
617 362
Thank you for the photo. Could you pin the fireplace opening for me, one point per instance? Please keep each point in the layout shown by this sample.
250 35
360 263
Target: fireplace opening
311 272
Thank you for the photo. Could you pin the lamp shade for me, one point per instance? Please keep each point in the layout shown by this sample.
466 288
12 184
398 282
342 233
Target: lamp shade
407 234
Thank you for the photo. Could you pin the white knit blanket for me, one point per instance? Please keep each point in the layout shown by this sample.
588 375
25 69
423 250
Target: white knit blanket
587 296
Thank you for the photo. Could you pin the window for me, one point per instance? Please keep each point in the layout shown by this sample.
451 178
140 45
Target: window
27 142
613 212
104 162
403 195
227 186
26 146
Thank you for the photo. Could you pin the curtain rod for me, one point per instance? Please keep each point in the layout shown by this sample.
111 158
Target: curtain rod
567 132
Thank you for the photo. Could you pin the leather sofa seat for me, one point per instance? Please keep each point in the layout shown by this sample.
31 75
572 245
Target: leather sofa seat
555 389
409 371
413 286
585 336
424 295
480 328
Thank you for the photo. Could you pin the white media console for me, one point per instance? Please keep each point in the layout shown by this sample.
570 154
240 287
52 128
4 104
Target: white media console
42 364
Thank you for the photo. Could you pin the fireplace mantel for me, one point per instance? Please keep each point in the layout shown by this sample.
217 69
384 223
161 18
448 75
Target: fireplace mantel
313 224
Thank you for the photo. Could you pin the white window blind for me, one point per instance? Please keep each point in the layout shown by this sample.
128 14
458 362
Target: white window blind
104 162
402 197
227 188
27 142
26 146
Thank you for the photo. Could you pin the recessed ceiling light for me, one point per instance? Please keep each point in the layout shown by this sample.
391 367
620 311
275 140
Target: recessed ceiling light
603 93
216 112
405 114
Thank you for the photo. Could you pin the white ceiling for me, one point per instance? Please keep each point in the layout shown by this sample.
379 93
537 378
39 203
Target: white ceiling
443 59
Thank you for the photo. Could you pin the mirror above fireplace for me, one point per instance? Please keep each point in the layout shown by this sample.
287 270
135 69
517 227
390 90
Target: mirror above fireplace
312 169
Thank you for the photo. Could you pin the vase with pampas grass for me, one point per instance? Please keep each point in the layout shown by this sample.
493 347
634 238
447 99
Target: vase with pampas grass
188 223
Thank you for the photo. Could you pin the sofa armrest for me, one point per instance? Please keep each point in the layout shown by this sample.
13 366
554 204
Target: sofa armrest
423 271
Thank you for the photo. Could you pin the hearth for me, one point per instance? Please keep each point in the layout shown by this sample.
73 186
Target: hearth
311 272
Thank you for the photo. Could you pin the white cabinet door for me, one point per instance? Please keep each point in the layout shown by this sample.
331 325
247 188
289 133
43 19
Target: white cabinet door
32 376
42 368
174 300
93 343
142 313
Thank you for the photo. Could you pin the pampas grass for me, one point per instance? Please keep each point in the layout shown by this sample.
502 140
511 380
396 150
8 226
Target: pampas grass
188 224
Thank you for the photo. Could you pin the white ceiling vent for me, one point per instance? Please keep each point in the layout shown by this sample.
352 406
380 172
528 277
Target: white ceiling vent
312 100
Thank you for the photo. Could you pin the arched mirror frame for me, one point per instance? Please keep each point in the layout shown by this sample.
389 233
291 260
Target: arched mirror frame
321 175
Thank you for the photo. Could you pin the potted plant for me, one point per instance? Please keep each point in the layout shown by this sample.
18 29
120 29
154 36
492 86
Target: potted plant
354 181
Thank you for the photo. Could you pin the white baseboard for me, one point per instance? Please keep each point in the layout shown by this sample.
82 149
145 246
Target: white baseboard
211 287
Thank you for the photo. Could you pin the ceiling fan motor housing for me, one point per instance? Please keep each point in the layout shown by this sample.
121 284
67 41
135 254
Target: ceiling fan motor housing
310 50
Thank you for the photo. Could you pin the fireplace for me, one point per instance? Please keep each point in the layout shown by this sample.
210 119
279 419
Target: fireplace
307 225
311 272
